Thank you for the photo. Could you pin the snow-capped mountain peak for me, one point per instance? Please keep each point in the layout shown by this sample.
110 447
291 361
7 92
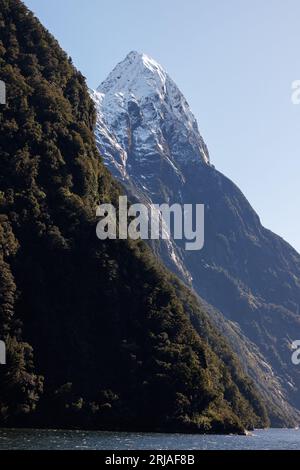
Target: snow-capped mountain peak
137 75
143 119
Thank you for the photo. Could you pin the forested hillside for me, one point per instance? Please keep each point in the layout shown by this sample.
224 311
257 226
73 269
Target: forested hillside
98 334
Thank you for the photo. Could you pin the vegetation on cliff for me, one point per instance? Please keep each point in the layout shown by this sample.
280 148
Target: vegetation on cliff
98 334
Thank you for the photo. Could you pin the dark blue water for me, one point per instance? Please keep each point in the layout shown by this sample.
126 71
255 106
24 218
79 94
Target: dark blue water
52 439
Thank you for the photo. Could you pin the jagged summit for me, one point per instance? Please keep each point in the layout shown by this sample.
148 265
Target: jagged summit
142 112
137 74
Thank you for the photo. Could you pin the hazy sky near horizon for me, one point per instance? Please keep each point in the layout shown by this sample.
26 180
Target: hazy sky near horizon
234 61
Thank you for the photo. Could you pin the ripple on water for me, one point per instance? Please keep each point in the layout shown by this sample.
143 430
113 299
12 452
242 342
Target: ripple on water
83 440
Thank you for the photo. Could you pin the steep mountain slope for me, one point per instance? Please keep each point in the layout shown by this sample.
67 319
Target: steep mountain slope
144 129
98 333
150 142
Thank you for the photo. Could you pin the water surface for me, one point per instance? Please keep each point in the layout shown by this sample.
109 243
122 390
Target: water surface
95 440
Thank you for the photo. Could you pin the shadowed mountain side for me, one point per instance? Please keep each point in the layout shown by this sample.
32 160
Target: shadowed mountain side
151 143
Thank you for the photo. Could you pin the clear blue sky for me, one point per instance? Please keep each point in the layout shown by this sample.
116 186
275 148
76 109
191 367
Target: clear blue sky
234 60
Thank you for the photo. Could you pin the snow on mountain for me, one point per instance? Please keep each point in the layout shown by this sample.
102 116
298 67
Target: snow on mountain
144 121
147 135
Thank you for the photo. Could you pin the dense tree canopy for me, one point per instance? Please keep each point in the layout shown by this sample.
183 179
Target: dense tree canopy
98 333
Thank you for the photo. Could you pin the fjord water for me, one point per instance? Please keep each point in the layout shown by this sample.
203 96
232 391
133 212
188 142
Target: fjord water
271 439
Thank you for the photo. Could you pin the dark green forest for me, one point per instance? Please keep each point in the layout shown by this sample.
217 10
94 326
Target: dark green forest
98 333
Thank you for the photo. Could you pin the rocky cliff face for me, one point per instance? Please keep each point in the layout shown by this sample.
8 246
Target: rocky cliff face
150 141
146 133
